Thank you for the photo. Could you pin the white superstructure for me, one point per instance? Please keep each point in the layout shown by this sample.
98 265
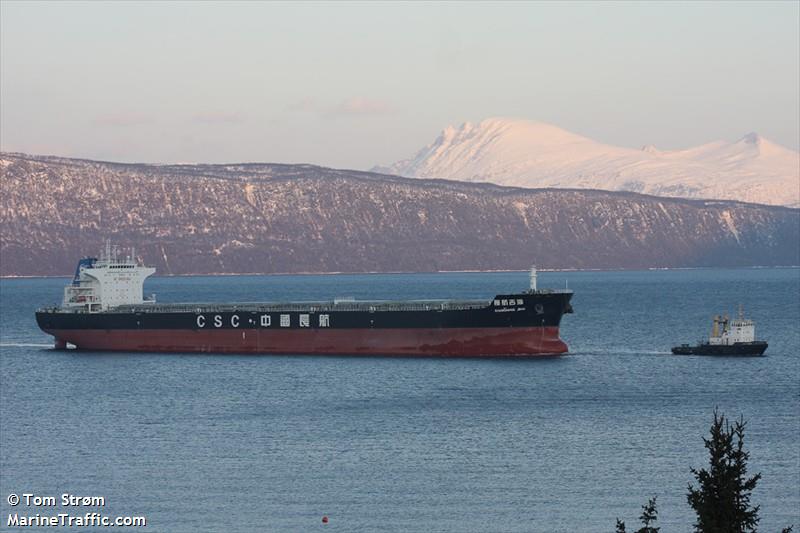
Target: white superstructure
533 279
109 281
726 331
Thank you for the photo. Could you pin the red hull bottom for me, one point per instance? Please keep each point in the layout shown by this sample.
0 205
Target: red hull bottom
446 342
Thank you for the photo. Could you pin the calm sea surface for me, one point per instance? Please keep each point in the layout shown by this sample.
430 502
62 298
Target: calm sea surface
272 443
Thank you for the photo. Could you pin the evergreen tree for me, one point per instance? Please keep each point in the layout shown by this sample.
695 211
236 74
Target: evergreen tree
722 498
649 516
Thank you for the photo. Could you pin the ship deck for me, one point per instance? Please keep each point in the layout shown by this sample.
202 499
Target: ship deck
309 306
315 306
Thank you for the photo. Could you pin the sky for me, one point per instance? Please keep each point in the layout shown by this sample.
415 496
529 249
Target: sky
352 85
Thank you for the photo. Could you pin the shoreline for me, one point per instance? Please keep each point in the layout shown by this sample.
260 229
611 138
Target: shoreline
378 273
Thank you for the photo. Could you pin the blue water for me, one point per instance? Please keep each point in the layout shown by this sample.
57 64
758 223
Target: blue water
248 443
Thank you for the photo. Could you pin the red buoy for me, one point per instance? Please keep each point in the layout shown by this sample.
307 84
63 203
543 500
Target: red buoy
324 519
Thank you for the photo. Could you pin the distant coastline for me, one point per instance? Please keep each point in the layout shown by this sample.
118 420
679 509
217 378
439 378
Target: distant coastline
377 273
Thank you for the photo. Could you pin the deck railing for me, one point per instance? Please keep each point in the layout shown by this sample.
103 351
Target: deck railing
275 307
363 306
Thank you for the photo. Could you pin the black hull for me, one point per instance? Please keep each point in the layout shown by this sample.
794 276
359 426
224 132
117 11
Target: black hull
525 324
738 349
515 310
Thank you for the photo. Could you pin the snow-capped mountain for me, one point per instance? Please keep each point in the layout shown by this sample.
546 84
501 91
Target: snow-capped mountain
531 154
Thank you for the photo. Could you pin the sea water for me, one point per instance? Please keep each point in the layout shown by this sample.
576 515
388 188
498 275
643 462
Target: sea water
274 443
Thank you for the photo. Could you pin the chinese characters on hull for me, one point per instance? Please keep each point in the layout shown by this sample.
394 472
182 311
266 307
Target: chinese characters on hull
264 321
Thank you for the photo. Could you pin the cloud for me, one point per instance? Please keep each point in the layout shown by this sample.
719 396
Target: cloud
217 118
359 105
307 105
123 120
351 107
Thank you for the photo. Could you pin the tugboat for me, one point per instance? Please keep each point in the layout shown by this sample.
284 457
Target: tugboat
728 337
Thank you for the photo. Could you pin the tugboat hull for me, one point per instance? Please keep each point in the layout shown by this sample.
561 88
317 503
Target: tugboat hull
754 348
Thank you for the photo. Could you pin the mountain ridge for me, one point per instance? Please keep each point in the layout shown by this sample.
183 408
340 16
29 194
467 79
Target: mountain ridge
280 218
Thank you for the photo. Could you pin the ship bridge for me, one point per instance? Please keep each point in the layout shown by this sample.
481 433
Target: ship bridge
727 332
112 280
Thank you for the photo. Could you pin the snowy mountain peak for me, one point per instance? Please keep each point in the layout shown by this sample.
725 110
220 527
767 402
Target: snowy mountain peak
531 131
449 132
524 153
650 149
751 138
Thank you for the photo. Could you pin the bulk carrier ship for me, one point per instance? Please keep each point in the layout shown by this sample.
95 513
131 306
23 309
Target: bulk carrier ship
104 309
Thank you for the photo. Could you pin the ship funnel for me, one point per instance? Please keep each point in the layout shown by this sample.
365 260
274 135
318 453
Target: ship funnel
533 278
